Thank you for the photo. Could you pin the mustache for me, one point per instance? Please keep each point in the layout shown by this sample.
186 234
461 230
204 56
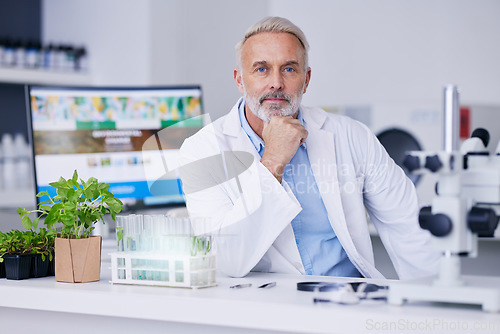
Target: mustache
275 95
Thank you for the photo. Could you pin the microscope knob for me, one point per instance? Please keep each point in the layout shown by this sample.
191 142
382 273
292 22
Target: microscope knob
439 224
482 221
433 163
411 163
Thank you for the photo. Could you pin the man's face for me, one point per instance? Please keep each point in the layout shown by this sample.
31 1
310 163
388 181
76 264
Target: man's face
272 76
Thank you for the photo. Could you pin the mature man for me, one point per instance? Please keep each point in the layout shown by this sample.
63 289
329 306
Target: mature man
287 187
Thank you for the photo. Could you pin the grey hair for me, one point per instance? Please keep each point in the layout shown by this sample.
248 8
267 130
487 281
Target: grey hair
273 24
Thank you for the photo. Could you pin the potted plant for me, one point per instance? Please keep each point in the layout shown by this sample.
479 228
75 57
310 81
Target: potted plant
16 252
77 205
27 253
2 263
43 248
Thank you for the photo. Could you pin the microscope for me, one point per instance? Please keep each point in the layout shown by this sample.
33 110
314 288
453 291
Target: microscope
466 206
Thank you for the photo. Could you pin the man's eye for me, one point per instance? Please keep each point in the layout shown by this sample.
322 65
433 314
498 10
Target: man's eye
289 69
261 69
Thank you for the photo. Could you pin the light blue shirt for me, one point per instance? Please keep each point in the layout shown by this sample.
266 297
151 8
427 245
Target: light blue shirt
319 247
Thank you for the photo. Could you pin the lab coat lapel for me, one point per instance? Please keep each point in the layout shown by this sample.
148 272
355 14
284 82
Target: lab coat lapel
238 140
321 152
235 135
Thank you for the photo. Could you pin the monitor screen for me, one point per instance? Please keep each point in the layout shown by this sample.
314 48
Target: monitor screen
102 133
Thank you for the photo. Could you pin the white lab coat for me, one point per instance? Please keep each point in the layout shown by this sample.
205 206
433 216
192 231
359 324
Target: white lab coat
253 212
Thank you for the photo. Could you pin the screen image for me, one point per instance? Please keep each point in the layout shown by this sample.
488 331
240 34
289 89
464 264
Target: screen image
101 132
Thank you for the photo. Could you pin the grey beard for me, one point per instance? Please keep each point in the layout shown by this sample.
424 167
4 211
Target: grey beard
263 113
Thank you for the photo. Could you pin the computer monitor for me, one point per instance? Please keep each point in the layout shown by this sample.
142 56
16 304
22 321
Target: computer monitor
101 133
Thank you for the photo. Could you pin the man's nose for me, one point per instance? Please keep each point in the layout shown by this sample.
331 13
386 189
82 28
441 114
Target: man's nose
276 80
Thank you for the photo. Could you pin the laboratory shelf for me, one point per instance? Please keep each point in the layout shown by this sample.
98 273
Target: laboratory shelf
41 76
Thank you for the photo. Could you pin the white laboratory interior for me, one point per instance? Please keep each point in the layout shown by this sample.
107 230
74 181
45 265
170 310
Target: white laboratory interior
421 75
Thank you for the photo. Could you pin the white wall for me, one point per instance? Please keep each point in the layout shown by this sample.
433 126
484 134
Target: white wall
362 52
398 51
396 56
158 42
207 32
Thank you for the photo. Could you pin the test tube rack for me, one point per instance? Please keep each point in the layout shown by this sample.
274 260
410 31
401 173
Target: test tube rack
159 269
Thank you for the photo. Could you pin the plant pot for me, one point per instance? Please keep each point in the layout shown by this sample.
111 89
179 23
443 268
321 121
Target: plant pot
17 267
78 260
2 269
52 266
39 267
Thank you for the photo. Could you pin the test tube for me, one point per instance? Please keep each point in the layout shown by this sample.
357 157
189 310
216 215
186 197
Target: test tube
119 229
147 236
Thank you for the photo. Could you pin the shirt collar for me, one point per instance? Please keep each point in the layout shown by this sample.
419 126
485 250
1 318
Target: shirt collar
257 142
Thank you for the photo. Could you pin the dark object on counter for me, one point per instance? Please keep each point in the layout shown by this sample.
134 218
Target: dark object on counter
330 286
240 286
17 267
2 269
319 286
52 266
39 267
267 285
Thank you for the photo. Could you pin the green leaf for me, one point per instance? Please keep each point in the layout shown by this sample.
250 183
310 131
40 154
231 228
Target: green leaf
26 221
35 223
67 221
87 193
62 192
69 206
52 217
42 193
78 204
72 184
114 204
62 183
56 207
103 186
22 211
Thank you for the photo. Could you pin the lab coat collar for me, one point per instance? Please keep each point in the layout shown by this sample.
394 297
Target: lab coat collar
231 126
315 119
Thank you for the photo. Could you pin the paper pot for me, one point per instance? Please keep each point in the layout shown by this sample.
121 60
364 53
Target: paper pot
78 260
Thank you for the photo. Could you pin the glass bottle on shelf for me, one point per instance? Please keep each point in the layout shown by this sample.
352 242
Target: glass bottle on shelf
8 53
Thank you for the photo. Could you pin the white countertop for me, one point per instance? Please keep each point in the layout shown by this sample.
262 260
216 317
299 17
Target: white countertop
281 308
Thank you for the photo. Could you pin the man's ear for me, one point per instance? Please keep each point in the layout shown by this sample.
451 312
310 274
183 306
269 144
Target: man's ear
308 78
237 79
